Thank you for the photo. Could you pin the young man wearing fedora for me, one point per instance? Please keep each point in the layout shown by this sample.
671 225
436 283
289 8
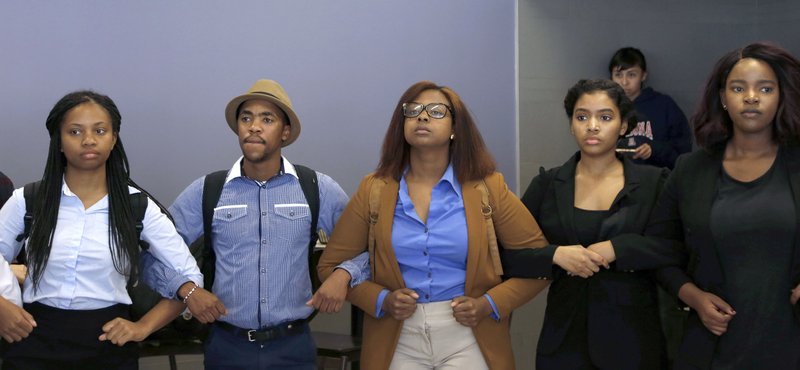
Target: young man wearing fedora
260 232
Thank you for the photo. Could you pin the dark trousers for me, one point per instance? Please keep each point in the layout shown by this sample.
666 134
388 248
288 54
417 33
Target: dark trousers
672 321
67 339
224 350
573 353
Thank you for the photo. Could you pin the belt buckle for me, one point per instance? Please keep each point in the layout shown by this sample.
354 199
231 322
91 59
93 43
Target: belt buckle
250 335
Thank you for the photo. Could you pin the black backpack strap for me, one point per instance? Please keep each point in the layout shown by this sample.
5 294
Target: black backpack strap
139 208
30 192
310 186
212 190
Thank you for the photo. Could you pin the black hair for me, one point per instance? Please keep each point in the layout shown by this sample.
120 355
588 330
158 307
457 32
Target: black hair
123 242
612 89
625 58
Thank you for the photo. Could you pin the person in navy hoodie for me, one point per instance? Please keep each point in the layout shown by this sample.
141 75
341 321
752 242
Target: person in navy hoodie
662 131
661 134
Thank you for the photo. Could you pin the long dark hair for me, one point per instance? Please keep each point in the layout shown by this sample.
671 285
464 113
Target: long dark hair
468 153
122 240
713 126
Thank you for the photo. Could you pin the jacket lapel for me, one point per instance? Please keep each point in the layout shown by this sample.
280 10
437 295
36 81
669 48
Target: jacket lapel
701 199
622 216
383 233
792 158
564 190
476 232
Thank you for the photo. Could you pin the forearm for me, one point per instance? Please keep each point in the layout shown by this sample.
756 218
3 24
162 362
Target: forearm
535 263
513 293
365 296
637 252
161 314
688 293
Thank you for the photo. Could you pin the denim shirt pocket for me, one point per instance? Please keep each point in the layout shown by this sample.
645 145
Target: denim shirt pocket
292 211
230 213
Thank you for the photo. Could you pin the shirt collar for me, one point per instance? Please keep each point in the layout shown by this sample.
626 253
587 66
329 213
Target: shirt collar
448 177
65 190
287 168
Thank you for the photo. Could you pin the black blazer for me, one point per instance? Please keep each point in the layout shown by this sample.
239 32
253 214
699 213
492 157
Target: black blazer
682 219
622 316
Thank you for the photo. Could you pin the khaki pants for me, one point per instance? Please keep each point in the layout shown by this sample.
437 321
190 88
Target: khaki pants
432 339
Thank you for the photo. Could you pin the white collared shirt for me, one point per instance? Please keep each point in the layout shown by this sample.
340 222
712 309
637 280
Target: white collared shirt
80 273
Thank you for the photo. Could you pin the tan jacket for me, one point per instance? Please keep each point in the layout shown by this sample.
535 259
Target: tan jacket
514 226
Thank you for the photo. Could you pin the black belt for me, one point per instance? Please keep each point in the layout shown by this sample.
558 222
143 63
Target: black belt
266 334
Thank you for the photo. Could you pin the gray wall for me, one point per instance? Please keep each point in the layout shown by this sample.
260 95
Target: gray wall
563 41
173 66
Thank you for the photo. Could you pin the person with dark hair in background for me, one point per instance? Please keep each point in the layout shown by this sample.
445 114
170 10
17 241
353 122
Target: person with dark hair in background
83 249
733 208
602 310
661 133
436 298
6 188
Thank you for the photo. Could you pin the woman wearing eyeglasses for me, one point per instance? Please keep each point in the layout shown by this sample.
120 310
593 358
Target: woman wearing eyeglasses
602 310
436 298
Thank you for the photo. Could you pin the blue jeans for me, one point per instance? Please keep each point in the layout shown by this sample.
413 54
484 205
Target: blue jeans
223 350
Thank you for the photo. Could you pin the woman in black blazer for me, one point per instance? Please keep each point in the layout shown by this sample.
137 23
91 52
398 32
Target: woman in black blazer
601 308
734 210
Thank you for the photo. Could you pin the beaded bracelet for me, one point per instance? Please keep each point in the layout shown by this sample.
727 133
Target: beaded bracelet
185 299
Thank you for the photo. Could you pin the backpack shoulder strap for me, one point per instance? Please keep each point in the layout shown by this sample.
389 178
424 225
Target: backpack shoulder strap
139 208
486 210
374 209
212 189
30 192
310 186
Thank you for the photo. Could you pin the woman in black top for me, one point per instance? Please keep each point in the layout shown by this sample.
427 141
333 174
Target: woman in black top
733 208
601 308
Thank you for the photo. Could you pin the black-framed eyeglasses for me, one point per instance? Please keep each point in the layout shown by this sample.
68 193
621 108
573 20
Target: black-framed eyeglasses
435 110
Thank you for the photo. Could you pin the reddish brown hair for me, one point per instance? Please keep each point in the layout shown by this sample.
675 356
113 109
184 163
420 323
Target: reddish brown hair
468 153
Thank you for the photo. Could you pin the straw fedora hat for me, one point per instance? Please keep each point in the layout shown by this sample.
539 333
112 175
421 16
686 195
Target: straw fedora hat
270 91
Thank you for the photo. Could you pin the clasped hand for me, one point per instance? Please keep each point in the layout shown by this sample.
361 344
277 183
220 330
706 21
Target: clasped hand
331 294
579 261
204 305
468 311
714 312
